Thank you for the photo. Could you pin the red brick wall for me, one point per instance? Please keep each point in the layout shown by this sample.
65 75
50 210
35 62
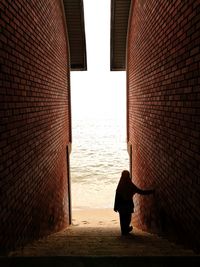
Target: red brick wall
163 77
34 120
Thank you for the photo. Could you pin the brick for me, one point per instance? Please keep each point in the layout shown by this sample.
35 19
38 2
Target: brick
166 143
33 124
194 51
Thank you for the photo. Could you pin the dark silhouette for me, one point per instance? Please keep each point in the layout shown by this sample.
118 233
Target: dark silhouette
124 200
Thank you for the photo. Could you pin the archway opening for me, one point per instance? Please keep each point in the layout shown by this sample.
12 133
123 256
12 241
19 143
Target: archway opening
98 97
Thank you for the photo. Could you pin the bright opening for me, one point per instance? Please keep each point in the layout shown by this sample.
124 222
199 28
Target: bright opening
99 150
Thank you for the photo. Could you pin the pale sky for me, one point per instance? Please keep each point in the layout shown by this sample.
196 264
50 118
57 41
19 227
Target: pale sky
98 92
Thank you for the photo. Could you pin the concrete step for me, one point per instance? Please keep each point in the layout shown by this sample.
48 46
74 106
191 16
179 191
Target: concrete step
101 241
100 246
100 261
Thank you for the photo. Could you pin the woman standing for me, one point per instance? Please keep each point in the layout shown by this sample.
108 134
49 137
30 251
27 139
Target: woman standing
124 200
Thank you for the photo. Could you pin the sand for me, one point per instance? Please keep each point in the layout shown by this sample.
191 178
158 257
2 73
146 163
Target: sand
95 218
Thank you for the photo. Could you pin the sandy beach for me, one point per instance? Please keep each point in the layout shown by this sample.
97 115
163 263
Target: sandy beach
95 218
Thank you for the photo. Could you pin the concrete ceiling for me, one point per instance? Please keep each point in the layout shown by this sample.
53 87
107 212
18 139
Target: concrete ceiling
76 32
119 25
74 12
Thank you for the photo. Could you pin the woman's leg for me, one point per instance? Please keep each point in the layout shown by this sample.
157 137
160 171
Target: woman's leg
125 219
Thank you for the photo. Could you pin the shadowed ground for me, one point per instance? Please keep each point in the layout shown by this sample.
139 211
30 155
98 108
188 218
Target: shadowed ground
99 243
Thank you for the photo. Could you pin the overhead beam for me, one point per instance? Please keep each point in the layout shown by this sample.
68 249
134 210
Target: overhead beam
74 12
119 24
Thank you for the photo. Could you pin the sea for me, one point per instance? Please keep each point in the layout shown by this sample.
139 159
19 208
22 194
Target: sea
99 155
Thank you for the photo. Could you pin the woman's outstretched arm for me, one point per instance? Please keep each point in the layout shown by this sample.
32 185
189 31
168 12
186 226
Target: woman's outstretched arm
144 192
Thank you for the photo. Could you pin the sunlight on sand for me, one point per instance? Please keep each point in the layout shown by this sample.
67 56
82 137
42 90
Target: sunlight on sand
95 218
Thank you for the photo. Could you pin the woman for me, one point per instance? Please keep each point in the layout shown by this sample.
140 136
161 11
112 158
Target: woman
124 200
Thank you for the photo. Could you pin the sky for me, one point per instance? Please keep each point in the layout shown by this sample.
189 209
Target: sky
98 92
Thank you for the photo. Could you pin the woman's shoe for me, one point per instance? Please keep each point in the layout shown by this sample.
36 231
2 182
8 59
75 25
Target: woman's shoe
130 228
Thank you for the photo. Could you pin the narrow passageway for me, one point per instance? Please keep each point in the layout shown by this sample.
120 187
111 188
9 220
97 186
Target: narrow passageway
156 44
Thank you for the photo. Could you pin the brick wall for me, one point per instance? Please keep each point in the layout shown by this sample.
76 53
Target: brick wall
34 120
163 77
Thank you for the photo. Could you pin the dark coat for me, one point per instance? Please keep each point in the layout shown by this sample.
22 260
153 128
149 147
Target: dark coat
123 205
126 205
